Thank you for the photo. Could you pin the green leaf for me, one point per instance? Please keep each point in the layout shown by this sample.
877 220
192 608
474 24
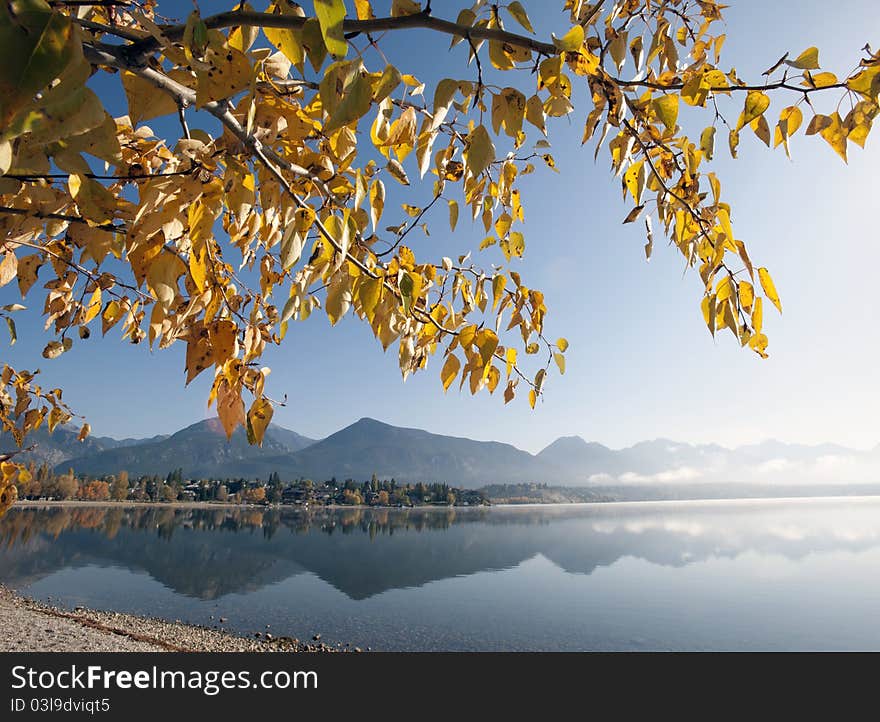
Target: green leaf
331 14
355 104
407 286
35 48
312 39
387 83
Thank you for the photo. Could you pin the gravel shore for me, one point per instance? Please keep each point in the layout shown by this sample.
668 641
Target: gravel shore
27 625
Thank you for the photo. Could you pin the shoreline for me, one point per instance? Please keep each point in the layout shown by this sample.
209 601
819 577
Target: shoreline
80 503
27 625
74 503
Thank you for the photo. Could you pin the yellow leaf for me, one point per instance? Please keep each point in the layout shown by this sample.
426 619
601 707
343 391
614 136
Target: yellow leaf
755 105
338 300
560 362
397 172
258 418
389 80
449 371
562 344
198 268
762 129
769 288
790 120
364 9
535 113
400 8
746 294
110 317
94 307
288 41
820 80
634 178
8 268
199 354
145 100
162 275
571 41
758 315
95 202
223 337
502 224
331 14
453 214
707 142
498 284
510 358
493 376
28 267
356 102
230 408
733 142
486 342
377 202
807 60
513 246
369 293
519 14
758 343
866 82
84 432
226 72
480 151
836 135
533 398
666 108
53 349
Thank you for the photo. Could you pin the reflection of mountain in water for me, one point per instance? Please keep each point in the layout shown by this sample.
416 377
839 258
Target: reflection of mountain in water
210 553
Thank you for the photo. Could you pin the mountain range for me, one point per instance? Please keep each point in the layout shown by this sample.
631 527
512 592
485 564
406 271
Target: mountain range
369 447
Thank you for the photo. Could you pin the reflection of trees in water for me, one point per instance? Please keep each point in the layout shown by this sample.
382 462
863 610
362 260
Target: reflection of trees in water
21 525
207 553
55 520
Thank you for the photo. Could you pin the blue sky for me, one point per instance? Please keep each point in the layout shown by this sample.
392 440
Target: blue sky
641 363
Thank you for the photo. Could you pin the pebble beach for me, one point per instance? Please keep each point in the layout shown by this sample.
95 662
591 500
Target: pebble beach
27 625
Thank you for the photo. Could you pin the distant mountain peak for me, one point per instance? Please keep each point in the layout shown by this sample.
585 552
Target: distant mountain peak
370 421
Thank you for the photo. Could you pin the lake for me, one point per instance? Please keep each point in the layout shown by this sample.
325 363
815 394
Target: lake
722 575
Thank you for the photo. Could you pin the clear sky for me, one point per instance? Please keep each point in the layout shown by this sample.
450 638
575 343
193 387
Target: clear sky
641 363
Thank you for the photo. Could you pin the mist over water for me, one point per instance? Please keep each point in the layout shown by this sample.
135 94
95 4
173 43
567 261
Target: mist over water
760 574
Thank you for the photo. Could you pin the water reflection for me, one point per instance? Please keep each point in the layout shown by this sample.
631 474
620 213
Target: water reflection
209 553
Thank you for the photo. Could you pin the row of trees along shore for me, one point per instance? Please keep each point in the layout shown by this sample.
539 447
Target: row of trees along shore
45 484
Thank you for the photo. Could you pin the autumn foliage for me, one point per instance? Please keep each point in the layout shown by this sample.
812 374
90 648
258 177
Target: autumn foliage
269 204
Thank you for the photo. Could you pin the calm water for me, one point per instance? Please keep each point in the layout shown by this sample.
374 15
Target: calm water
794 574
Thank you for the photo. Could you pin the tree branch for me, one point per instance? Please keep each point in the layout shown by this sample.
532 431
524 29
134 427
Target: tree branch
423 20
33 213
